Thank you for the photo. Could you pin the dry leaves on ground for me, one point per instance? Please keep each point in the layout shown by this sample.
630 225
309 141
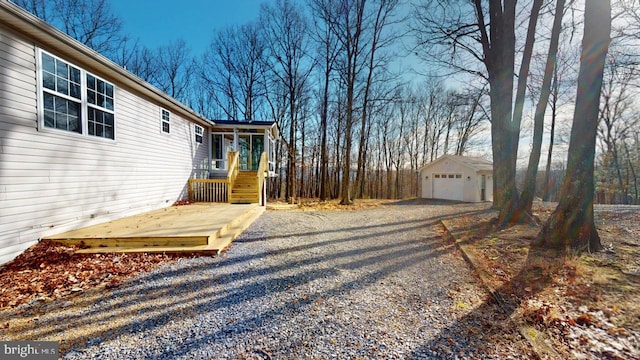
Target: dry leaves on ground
587 304
328 205
48 271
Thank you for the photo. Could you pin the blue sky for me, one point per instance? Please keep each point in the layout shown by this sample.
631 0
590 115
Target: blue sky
160 22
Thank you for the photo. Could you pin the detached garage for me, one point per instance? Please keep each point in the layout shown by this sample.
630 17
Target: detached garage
460 178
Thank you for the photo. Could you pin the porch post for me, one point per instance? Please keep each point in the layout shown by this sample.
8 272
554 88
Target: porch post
210 162
235 139
266 146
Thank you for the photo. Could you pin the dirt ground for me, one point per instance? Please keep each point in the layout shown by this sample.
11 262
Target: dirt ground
586 307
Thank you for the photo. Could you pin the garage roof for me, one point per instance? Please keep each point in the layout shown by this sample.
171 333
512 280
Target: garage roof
476 163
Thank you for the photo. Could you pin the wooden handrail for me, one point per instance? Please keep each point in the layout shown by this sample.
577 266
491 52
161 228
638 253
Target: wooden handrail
208 190
262 169
232 172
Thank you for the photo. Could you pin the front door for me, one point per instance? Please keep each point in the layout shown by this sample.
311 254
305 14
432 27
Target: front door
244 157
251 147
257 147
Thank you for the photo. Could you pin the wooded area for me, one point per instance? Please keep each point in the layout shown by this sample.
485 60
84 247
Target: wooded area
365 92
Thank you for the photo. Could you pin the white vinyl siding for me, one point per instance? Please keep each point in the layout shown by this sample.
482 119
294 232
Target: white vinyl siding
51 182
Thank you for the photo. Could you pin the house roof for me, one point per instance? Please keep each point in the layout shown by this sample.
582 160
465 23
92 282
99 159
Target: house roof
53 40
245 122
250 124
476 163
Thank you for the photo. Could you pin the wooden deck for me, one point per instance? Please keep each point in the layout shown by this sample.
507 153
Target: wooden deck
200 227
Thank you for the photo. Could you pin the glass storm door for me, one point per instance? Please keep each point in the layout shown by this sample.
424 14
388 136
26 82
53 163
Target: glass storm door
257 147
244 157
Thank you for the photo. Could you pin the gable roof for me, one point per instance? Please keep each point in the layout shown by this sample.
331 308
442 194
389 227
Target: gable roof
254 123
250 124
475 163
53 40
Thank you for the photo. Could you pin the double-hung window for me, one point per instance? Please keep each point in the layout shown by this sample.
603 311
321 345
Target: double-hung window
74 100
199 132
61 95
100 107
166 121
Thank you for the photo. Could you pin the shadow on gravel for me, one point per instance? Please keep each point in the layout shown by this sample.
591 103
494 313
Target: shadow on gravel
429 202
476 208
142 304
490 324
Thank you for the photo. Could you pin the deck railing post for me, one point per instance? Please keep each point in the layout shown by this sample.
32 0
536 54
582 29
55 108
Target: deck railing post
262 168
208 190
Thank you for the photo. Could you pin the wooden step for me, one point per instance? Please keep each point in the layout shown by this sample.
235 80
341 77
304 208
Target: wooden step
244 186
154 249
245 200
134 242
215 244
222 242
245 191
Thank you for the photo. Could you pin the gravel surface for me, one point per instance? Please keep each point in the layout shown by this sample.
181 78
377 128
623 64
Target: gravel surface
368 284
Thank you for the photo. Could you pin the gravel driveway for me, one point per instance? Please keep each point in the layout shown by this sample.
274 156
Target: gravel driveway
367 284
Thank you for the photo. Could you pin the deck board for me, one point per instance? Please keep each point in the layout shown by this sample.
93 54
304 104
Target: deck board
195 227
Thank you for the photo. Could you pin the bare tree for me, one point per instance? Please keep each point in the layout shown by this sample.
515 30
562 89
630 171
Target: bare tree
233 70
285 32
528 191
348 26
457 34
382 19
472 115
571 225
89 21
175 68
327 54
36 7
617 116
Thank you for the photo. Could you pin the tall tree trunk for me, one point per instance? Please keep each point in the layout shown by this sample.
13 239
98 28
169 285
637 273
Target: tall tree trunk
529 188
345 190
291 164
552 134
323 138
338 155
499 50
509 211
303 166
352 50
571 225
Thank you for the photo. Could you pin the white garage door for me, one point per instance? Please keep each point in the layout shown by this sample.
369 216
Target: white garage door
448 186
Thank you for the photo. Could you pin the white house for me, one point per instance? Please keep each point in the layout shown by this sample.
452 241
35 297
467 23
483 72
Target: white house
461 178
82 140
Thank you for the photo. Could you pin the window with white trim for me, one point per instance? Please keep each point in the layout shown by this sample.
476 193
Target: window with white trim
199 131
165 118
100 107
74 100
